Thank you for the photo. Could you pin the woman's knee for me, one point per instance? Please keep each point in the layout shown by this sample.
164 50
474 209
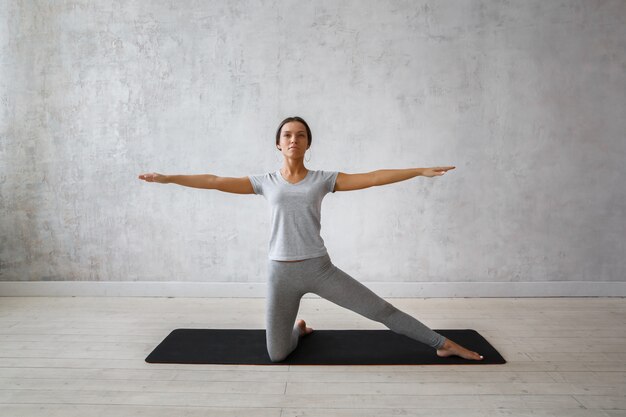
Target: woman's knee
277 355
277 359
278 347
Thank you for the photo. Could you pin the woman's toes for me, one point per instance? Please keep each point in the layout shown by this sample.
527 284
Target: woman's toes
302 327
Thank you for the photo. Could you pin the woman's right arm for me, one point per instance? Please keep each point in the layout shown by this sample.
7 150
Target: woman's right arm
206 181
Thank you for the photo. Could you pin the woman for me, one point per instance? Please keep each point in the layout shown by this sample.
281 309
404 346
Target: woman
298 260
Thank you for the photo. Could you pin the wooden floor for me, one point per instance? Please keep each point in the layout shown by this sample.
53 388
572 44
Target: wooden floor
85 357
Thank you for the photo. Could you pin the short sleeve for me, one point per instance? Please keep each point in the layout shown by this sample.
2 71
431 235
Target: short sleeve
257 183
331 178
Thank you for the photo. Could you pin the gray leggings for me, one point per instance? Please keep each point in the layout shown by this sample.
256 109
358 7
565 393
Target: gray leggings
289 281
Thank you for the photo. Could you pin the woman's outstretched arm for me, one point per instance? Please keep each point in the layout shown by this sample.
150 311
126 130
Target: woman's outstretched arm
389 176
206 181
349 182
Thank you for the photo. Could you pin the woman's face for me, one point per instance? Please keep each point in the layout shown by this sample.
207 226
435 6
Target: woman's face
293 140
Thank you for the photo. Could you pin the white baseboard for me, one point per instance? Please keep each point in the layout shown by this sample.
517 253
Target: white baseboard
258 289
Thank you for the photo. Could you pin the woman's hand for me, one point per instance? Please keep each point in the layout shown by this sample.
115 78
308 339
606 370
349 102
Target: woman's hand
435 171
154 177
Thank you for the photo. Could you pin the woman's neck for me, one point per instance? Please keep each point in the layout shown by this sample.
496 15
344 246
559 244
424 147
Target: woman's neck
294 169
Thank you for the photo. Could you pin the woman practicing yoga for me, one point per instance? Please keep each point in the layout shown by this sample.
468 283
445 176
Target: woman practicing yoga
298 260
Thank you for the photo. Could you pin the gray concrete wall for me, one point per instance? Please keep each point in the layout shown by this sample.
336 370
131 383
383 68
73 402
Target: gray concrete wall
527 99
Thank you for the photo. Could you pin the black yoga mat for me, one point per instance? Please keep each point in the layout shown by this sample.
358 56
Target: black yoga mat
322 347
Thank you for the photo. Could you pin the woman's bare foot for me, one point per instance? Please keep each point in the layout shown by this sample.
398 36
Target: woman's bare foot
450 348
303 329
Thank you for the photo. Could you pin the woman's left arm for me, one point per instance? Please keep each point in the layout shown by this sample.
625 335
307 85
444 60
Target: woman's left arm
389 176
349 182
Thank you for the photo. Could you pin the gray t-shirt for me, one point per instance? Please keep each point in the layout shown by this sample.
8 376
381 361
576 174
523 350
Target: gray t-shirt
296 213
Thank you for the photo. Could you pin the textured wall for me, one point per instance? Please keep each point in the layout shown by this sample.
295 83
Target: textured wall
526 99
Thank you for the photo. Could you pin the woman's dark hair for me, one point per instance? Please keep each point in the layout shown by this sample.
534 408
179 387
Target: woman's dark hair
295 119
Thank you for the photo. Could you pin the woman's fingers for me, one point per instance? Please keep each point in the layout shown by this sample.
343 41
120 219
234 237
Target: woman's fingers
148 177
437 171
